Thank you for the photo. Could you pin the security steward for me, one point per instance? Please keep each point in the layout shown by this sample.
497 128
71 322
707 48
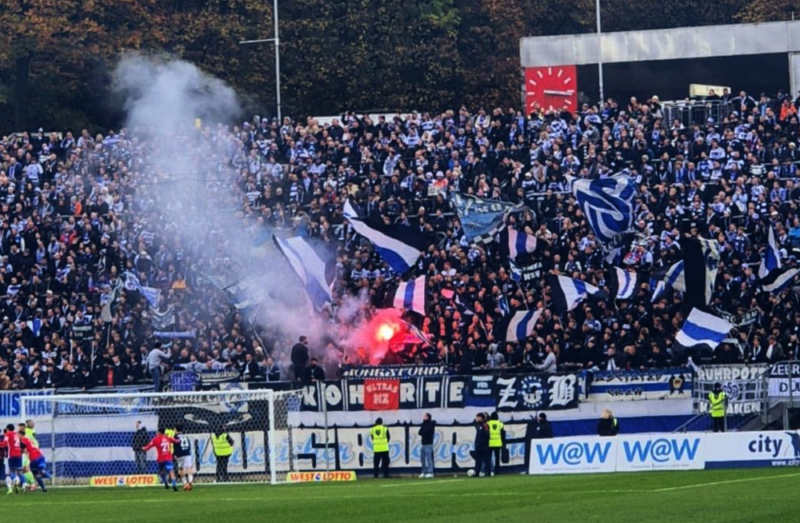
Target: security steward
497 440
717 400
223 449
379 435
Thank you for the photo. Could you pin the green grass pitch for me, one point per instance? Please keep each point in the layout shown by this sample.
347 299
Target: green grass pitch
729 496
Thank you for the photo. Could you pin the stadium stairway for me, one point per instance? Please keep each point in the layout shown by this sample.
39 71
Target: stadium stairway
735 423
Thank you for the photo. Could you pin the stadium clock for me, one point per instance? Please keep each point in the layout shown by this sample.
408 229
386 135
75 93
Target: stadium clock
551 88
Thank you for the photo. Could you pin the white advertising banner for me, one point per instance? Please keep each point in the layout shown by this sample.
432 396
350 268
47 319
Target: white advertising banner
754 449
667 451
660 452
573 455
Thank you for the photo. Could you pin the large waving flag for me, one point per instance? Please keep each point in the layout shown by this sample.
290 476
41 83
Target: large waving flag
399 246
703 329
410 295
607 204
521 324
309 267
480 218
567 293
622 283
771 259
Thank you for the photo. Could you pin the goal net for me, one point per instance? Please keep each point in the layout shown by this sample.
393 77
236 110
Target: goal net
93 438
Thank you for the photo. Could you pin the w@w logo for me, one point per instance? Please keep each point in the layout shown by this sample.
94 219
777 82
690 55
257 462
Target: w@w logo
662 450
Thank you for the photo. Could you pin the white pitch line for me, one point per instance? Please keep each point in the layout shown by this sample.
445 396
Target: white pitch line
726 482
422 483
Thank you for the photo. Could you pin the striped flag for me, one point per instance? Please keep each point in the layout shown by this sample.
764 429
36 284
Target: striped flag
658 290
399 246
521 324
410 295
779 281
675 277
771 259
518 242
309 267
622 283
701 263
567 293
704 329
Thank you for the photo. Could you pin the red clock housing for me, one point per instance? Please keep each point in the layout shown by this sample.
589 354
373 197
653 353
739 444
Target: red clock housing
551 88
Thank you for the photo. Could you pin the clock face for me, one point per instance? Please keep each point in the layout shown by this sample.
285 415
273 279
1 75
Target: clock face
551 88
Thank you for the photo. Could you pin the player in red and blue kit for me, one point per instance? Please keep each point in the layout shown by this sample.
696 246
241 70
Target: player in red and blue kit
15 476
37 462
3 455
163 445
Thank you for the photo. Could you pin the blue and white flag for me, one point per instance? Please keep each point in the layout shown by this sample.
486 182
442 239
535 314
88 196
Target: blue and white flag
567 293
607 204
417 336
779 281
702 328
701 264
622 283
151 294
182 335
480 218
675 277
517 242
462 307
162 320
400 247
521 324
410 295
309 267
771 258
659 288
131 281
516 272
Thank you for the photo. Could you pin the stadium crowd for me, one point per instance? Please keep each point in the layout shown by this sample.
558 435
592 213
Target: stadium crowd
73 222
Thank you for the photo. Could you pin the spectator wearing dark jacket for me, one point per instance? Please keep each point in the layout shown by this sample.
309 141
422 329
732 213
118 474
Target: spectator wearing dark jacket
300 359
608 424
483 462
427 432
314 373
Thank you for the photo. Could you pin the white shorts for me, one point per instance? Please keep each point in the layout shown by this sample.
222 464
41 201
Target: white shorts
186 462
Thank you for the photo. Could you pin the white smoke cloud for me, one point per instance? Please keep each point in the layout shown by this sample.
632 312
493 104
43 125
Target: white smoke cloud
189 182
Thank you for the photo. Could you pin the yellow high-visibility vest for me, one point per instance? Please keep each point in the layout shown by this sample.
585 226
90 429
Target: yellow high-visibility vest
221 445
380 439
717 401
495 433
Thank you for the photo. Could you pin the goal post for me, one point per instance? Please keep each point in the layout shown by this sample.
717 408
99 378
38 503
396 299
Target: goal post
85 436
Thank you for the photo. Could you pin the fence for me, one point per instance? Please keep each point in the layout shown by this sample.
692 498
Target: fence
690 113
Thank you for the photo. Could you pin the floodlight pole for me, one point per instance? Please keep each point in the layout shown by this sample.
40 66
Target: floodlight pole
277 41
600 53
